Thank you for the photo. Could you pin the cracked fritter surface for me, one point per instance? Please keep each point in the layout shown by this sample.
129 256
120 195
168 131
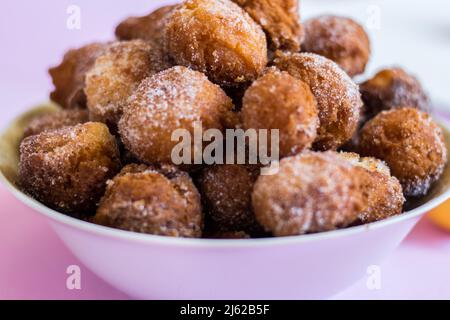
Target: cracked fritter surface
383 192
280 20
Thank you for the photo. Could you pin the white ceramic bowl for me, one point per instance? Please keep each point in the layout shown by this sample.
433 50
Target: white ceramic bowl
153 267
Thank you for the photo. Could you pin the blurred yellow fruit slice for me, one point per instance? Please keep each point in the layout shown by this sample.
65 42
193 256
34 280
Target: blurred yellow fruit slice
441 215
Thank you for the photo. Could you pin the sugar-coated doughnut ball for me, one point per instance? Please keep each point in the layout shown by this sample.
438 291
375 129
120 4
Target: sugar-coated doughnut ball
339 39
154 200
412 145
392 88
338 98
279 19
69 76
173 99
383 192
277 100
217 38
56 120
115 76
67 169
149 27
226 192
312 192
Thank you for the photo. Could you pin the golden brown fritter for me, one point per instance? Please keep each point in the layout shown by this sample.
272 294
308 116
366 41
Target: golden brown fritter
277 100
172 99
392 88
56 120
149 27
312 192
339 39
69 77
383 192
154 200
280 19
217 38
412 145
67 169
337 96
115 76
226 193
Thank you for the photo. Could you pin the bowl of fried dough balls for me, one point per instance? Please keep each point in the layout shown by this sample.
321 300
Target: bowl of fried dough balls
359 162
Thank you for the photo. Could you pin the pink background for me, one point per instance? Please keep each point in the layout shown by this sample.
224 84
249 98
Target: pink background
33 261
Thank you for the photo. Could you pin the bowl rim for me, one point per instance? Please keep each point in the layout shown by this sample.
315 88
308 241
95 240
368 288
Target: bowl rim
135 237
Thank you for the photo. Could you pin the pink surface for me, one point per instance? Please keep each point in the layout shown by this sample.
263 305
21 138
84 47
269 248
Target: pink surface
33 260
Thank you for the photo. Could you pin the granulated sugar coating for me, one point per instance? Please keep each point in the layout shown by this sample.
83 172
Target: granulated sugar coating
69 77
279 101
383 192
340 39
67 169
154 200
337 96
149 27
114 77
226 193
312 192
392 88
217 38
412 145
279 19
56 120
173 99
